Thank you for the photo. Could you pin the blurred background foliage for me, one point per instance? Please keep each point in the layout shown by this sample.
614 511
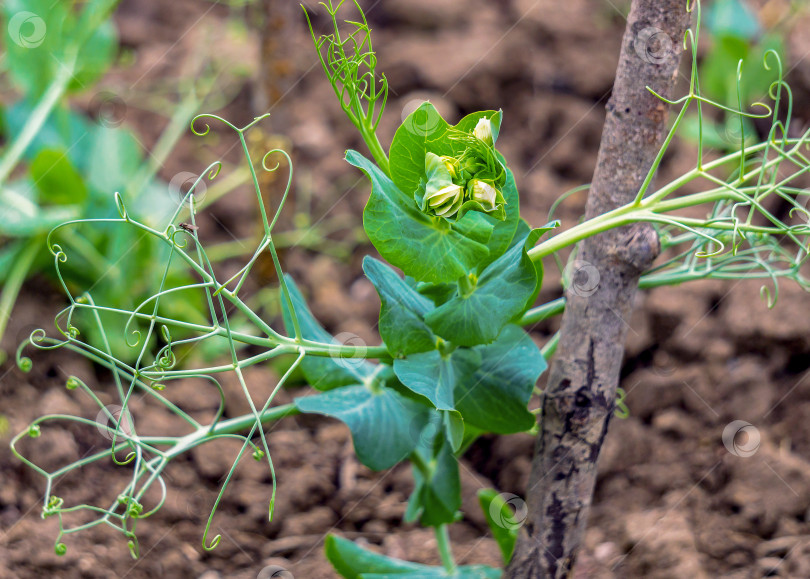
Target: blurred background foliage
67 149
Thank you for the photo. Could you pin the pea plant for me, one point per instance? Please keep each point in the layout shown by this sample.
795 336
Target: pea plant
458 281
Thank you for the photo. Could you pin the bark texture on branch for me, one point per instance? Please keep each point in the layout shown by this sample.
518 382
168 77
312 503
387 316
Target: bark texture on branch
580 396
279 23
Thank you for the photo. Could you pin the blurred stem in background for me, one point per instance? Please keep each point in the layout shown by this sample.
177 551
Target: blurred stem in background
57 166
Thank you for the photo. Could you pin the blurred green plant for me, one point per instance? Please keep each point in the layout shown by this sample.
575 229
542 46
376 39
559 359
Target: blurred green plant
59 165
731 73
454 362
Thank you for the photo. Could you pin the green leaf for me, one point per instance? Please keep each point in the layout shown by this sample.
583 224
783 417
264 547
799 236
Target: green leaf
354 562
466 572
436 497
350 560
42 38
22 217
34 38
115 157
63 130
56 180
453 428
382 422
323 373
96 55
434 375
495 398
421 131
501 521
438 293
425 248
504 231
500 294
475 225
468 123
402 310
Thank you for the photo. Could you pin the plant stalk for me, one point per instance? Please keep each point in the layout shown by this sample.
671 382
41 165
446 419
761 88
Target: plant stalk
39 115
579 399
14 281
445 552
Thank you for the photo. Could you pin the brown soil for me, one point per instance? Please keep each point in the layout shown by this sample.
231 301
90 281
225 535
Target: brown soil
671 500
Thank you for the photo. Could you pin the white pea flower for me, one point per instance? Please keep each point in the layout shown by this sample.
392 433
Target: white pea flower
445 202
483 131
485 193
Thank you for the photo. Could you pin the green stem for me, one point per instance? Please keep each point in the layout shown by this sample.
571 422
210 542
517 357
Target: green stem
646 208
420 464
377 151
443 542
649 281
231 426
14 282
540 313
39 115
551 346
616 218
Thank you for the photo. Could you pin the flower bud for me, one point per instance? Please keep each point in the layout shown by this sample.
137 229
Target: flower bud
445 202
485 193
483 131
451 165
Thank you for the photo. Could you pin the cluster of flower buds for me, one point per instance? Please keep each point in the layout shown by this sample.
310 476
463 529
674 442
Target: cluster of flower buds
471 181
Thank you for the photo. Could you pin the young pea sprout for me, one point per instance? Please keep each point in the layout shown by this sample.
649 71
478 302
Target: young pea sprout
743 236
